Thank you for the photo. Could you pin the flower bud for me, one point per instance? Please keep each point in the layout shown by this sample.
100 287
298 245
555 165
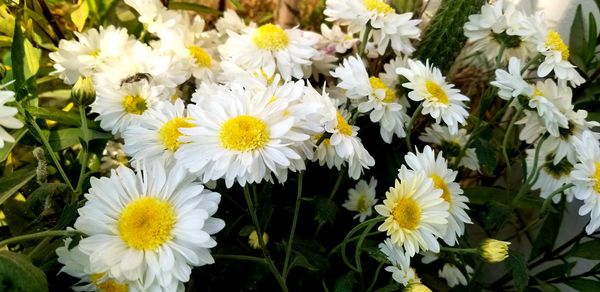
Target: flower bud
416 287
494 251
253 239
83 92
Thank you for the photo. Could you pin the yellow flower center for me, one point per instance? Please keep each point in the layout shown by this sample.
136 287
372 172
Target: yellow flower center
244 133
253 239
437 94
146 223
376 83
597 177
440 184
342 125
554 42
270 37
134 104
378 6
407 213
361 204
169 133
107 285
202 58
537 91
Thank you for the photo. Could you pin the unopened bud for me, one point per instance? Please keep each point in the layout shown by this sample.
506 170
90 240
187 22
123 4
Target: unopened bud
83 92
494 251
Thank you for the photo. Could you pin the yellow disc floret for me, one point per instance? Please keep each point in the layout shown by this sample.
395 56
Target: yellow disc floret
376 83
108 285
201 57
555 42
270 37
169 133
146 223
378 6
437 94
134 104
407 213
361 204
244 133
342 125
440 184
597 177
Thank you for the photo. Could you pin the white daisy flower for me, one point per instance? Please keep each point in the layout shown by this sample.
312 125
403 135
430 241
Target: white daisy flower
415 212
334 40
586 179
552 175
548 99
407 29
361 199
325 154
440 99
119 107
511 84
155 16
7 117
77 264
156 137
443 178
556 60
453 275
149 227
231 21
81 58
400 268
452 145
564 145
271 49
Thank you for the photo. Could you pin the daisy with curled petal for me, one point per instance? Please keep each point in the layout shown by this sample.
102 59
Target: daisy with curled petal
453 275
586 178
451 145
149 227
7 117
556 60
436 168
361 199
552 175
120 107
400 268
510 83
415 212
272 49
440 99
548 99
334 40
156 137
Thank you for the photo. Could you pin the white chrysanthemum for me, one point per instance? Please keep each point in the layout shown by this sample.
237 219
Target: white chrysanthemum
440 99
564 145
443 178
452 145
500 27
231 21
156 136
148 227
556 59
7 117
119 107
271 49
548 99
453 275
77 264
586 179
552 175
155 16
407 29
334 40
415 212
241 136
81 58
361 199
400 268
511 83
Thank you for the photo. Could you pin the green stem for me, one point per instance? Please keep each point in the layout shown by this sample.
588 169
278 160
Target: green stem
459 250
531 62
263 247
240 258
365 40
505 142
529 181
38 235
358 249
375 277
288 250
410 125
86 153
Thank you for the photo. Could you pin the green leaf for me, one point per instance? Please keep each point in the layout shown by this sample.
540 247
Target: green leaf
518 266
376 254
546 237
483 195
63 138
66 118
9 185
17 55
32 59
8 146
577 43
548 287
17 273
236 3
592 38
344 283
559 270
38 198
588 250
68 215
325 210
80 14
487 156
584 284
301 261
193 7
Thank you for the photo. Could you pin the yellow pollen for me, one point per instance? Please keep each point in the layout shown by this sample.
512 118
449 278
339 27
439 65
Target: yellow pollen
146 223
378 6
134 104
440 184
169 133
436 92
107 285
270 37
361 204
537 91
407 213
95 53
554 42
376 83
244 133
342 125
202 58
597 177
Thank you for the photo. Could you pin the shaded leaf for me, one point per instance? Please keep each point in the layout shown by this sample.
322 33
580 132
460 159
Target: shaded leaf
17 273
559 270
63 138
344 283
584 284
518 266
325 210
9 185
577 44
376 254
8 146
17 55
301 261
487 156
66 118
546 237
588 250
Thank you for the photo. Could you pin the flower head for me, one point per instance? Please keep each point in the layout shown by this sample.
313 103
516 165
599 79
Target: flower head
494 251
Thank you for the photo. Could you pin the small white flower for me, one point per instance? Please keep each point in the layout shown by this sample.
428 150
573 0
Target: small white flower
552 175
334 40
452 144
556 59
453 275
7 117
400 268
511 83
361 199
